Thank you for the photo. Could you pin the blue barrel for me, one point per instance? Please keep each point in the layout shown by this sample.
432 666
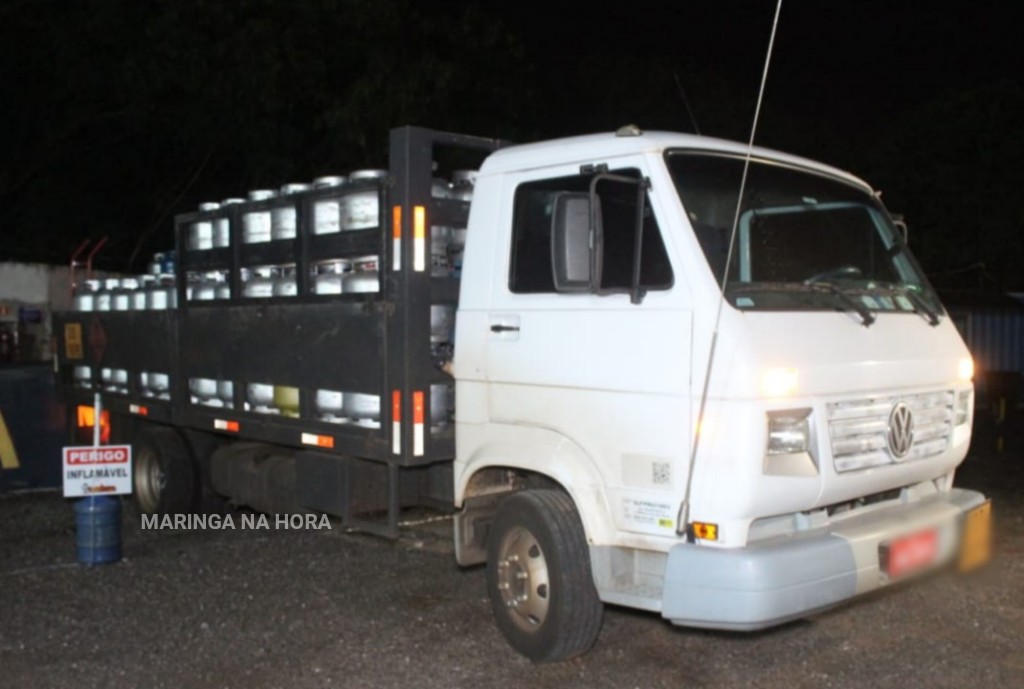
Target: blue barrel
169 263
98 524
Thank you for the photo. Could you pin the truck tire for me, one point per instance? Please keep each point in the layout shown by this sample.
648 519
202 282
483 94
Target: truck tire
539 578
201 446
163 474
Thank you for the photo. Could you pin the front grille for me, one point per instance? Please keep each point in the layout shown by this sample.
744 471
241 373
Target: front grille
859 429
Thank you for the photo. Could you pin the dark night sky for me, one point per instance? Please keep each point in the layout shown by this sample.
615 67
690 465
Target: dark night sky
851 65
118 114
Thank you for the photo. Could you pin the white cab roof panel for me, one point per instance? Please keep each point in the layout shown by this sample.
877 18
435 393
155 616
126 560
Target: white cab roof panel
593 148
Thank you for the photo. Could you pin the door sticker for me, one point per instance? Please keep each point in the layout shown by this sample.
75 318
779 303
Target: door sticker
648 513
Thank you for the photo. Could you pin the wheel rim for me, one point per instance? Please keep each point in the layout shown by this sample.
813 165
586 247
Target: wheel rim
149 481
523 579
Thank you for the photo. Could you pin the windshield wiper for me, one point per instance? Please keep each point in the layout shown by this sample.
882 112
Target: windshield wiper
819 286
921 306
832 288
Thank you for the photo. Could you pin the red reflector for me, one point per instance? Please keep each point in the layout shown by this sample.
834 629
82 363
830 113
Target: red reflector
396 406
139 409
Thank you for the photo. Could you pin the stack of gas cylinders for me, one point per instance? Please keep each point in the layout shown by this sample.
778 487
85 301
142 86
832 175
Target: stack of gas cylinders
267 216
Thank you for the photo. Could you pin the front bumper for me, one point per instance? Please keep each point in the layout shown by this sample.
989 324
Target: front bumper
782 579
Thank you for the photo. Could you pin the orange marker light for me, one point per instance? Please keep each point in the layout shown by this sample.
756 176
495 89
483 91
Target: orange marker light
86 418
705 531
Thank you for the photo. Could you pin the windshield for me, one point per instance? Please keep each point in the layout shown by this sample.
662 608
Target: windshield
804 241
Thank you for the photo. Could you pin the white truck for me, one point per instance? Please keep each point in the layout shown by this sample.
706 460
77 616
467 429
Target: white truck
729 412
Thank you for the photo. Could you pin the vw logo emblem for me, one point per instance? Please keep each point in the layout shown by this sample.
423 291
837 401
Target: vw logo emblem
901 431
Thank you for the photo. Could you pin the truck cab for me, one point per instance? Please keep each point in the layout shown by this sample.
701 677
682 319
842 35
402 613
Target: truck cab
755 405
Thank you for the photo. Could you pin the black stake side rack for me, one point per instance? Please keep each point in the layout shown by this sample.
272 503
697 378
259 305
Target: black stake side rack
376 343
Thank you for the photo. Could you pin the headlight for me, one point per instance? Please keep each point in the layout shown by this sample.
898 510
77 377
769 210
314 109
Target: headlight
789 431
789 444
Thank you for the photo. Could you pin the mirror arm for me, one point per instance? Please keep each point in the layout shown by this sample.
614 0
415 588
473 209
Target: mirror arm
596 240
636 295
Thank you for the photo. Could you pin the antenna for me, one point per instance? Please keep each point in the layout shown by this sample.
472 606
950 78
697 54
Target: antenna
686 102
684 509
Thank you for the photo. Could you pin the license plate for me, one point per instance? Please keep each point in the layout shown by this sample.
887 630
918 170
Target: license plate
976 544
908 554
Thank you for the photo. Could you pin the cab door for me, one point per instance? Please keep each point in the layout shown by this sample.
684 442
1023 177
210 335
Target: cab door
607 376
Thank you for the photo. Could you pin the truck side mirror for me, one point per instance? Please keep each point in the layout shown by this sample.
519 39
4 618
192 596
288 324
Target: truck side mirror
901 225
570 242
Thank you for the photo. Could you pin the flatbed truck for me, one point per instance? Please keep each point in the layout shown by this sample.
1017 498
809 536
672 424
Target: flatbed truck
627 384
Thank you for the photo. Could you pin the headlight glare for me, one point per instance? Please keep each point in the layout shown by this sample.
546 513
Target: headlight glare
779 382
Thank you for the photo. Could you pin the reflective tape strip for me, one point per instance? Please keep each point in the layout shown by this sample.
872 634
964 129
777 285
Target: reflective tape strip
138 409
419 236
224 425
396 238
317 440
396 422
417 423
8 455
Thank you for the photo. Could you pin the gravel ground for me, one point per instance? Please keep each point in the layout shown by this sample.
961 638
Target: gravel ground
325 608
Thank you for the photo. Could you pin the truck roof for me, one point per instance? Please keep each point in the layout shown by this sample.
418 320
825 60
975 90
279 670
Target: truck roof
591 148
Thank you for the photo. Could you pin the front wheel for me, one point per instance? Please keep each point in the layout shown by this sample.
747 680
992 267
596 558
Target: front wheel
539 578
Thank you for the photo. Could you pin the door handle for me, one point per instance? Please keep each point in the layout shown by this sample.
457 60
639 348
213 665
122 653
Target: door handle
505 326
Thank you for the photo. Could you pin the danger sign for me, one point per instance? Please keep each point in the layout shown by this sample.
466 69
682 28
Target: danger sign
103 470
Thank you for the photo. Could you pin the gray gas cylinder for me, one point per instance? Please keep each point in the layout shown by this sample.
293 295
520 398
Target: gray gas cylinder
330 405
85 295
200 232
364 276
256 223
260 397
285 284
360 209
283 217
327 211
329 277
259 281
222 225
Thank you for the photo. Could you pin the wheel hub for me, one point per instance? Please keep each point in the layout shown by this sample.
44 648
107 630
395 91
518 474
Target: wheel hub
149 481
523 579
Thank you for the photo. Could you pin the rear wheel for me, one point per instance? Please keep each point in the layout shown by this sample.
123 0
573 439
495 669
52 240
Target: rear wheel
539 578
163 472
